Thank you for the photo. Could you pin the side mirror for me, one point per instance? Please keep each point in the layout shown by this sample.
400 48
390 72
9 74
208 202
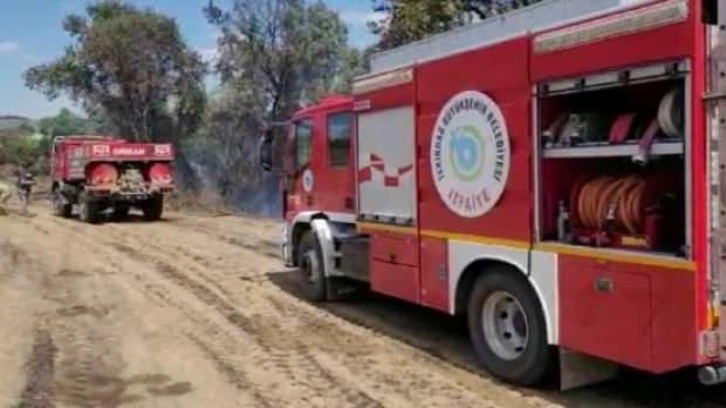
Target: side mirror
709 12
265 151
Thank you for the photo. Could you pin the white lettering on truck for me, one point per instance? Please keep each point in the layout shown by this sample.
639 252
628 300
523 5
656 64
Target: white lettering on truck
470 154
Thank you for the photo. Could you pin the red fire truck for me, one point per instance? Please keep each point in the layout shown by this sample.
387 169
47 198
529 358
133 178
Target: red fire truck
98 173
552 174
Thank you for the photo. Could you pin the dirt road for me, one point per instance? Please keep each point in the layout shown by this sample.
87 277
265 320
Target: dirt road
198 311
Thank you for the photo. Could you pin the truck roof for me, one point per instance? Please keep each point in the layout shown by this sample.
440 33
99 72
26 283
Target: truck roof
329 102
534 18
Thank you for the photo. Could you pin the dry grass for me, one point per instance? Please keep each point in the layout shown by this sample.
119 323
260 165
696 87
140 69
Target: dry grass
207 203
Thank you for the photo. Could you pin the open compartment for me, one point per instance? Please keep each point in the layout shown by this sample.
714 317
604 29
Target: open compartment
612 169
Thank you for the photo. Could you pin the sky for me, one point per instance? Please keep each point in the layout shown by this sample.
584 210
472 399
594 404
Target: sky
31 33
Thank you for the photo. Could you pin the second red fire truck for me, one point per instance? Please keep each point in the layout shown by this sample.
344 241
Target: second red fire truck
553 174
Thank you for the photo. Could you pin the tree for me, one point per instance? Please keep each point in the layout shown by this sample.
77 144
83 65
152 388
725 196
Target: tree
285 52
412 20
132 68
229 130
63 124
274 56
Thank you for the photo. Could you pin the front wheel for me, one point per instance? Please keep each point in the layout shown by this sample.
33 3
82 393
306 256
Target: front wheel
507 328
311 268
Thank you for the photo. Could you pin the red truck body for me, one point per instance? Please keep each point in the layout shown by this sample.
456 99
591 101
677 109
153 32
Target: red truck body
460 192
99 173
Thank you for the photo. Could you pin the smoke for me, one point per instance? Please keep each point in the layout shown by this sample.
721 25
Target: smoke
244 187
264 199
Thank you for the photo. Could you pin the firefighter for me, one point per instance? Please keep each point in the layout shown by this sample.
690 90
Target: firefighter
24 184
5 194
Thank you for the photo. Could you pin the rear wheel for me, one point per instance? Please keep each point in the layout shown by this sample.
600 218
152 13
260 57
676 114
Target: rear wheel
121 211
311 267
88 209
507 328
61 208
153 208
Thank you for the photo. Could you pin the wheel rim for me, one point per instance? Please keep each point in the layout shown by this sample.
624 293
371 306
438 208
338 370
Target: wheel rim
83 209
57 201
309 265
504 323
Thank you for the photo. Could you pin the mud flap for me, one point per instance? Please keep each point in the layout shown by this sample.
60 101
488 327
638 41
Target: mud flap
579 370
337 288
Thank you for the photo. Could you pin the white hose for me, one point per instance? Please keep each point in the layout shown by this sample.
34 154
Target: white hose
670 113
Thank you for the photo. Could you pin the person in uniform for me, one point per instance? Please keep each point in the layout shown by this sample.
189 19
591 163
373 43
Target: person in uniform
24 183
5 194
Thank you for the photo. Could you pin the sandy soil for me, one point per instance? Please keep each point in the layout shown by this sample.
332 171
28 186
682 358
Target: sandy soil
198 311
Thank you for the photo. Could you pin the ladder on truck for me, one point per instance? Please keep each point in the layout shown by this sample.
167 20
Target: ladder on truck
716 114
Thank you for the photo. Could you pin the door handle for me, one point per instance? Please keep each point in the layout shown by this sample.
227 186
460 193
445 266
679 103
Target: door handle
604 285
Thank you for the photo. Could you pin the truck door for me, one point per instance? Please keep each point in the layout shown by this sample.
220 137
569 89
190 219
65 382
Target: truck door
335 178
321 176
299 169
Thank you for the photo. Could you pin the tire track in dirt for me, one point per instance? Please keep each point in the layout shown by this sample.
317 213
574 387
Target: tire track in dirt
200 291
89 364
214 336
287 359
325 337
259 246
235 376
271 359
288 363
233 269
627 391
467 374
66 361
38 391
351 347
40 363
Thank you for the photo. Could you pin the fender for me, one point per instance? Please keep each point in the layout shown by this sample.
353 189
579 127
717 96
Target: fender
539 268
324 233
305 218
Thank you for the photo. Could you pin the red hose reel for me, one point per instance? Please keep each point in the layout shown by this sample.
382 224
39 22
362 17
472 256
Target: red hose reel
624 210
619 211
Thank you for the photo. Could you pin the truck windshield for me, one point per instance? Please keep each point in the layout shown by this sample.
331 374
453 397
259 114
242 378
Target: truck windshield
303 142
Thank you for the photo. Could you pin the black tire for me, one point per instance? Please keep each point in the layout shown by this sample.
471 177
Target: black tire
121 211
529 365
60 208
153 208
88 210
310 269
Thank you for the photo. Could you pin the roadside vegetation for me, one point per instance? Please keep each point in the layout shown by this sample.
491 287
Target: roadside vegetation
133 74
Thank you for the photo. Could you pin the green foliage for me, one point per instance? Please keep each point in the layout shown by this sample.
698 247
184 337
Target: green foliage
413 20
65 123
16 150
131 67
274 56
284 52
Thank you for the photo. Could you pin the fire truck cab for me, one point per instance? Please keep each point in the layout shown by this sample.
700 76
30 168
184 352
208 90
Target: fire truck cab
554 175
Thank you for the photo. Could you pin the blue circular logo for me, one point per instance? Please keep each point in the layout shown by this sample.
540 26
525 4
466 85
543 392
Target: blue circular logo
470 155
467 157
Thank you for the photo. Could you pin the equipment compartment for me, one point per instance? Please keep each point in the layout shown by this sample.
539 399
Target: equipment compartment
612 160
